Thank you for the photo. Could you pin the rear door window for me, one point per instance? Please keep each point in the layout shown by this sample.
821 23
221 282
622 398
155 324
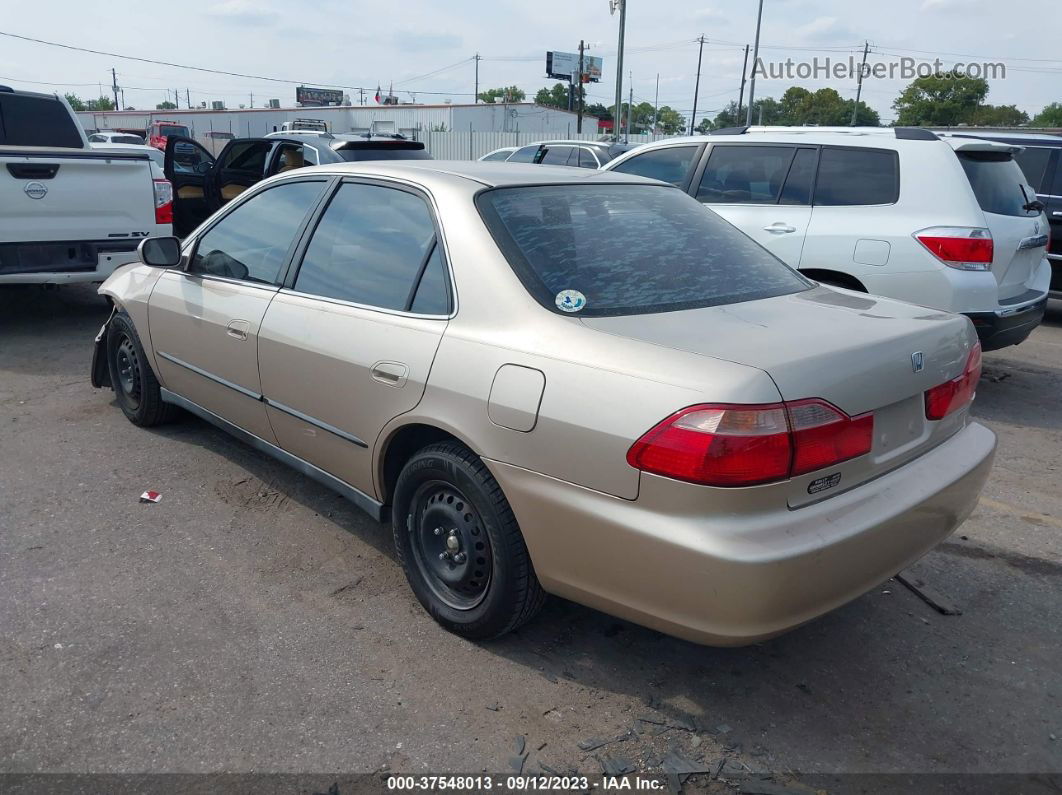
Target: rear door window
670 164
857 176
745 174
37 121
557 155
801 178
998 183
628 249
374 246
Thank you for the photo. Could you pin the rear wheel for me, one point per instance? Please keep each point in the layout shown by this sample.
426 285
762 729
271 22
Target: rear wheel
460 545
135 386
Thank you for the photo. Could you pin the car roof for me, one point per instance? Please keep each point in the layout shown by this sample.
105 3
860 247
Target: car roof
489 173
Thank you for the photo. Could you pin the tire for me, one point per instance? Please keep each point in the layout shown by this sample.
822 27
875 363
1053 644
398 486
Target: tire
445 492
135 386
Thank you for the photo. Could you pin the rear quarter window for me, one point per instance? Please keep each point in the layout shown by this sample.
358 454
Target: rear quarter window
998 183
37 121
629 249
850 177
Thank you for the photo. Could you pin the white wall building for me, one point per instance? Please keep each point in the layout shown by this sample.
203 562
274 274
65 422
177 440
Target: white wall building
414 121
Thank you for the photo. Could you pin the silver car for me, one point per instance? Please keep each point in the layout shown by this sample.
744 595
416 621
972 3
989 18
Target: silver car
553 380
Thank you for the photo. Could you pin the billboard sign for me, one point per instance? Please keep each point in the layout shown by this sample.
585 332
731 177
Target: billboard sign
565 66
315 97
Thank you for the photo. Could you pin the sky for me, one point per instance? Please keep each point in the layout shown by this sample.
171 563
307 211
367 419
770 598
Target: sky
425 47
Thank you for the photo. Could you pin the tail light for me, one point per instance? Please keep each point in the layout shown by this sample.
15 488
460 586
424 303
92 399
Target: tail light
163 201
733 445
958 392
964 248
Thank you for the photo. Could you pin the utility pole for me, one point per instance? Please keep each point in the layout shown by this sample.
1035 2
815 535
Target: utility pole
252 99
697 83
361 96
755 60
656 104
114 86
579 118
188 98
859 85
741 95
477 59
622 6
630 113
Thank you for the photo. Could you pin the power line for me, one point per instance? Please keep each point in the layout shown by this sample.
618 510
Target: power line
205 69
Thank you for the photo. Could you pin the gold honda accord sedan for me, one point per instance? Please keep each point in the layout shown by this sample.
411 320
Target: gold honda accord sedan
555 380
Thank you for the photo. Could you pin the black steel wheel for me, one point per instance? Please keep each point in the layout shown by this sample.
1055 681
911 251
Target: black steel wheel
460 545
136 389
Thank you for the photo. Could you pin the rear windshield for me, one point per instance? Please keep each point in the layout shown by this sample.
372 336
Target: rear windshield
174 129
628 249
383 151
37 121
127 139
998 183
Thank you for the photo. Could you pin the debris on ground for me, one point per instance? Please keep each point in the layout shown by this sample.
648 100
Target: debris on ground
936 600
150 496
593 743
520 744
615 765
675 763
494 707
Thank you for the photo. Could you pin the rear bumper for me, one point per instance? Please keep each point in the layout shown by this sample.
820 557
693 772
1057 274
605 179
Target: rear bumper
731 578
1008 327
66 262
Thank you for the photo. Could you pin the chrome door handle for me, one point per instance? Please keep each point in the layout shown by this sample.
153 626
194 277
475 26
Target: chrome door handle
238 329
390 373
1057 214
779 228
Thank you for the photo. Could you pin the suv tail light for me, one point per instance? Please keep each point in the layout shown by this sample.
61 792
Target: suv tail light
733 445
163 201
964 248
958 392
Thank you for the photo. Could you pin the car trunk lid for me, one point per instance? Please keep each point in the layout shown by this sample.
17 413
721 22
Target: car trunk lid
860 353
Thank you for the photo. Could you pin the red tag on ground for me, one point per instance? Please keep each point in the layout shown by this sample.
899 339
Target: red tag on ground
150 496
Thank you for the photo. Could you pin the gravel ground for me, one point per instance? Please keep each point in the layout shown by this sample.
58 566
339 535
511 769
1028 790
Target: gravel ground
253 621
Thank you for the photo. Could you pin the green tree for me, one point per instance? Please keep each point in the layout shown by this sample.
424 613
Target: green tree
101 103
823 108
75 101
940 101
600 111
1050 116
555 97
167 105
670 121
503 94
999 116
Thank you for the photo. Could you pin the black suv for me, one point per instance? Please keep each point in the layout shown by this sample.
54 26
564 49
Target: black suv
203 183
1042 163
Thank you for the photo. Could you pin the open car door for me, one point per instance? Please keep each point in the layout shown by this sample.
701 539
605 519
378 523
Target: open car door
242 163
188 166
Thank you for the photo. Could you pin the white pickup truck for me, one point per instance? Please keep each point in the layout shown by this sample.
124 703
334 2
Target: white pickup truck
68 212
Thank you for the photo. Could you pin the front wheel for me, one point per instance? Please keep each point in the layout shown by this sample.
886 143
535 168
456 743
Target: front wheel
135 386
460 545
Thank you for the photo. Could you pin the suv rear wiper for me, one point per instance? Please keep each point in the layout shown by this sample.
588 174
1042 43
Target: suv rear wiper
1034 206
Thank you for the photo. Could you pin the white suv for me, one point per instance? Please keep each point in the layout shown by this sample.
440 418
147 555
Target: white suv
944 221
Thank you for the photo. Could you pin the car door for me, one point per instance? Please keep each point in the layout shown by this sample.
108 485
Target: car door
188 165
1051 196
204 318
764 190
242 164
347 344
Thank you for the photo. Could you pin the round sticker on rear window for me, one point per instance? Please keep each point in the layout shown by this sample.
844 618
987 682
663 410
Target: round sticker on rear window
570 300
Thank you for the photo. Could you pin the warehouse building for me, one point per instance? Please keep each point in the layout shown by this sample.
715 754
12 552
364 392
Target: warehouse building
413 121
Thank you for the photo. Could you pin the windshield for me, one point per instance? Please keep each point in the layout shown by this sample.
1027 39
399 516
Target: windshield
628 249
174 129
998 183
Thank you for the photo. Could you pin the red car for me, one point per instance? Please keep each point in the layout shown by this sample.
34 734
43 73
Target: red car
159 131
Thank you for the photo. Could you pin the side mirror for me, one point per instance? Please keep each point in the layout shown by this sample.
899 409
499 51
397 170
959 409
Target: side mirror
160 252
